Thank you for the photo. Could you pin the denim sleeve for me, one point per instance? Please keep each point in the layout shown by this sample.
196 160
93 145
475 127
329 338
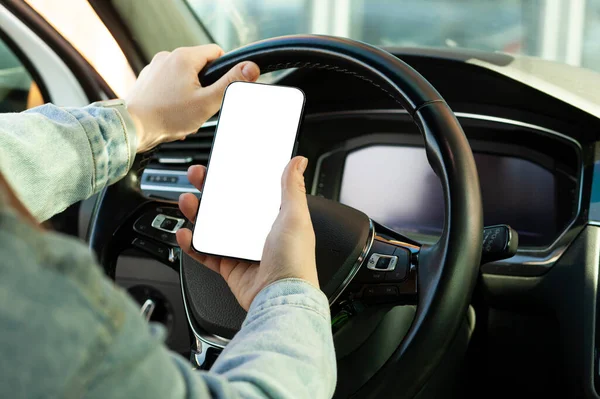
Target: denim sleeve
284 350
53 157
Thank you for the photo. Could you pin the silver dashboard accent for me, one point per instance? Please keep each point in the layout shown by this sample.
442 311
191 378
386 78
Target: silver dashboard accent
153 187
356 267
317 169
372 263
161 218
199 353
166 172
466 115
524 256
168 187
173 254
147 309
175 160
211 123
513 122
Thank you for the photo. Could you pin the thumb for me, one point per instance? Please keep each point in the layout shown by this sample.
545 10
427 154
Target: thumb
293 190
245 72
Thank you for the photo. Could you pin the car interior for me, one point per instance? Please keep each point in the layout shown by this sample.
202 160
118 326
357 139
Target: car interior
453 189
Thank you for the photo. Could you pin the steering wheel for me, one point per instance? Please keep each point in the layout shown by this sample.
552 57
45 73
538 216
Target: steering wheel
414 297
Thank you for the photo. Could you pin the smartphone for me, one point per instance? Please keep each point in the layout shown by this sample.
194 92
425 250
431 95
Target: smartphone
254 140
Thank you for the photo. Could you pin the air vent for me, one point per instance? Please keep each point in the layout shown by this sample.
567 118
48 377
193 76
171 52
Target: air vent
165 175
194 150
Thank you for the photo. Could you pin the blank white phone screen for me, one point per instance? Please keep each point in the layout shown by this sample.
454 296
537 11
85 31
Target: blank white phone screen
254 141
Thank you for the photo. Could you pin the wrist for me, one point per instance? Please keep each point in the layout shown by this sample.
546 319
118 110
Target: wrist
143 145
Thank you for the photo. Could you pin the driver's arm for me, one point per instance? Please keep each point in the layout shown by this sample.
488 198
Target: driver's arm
54 157
284 350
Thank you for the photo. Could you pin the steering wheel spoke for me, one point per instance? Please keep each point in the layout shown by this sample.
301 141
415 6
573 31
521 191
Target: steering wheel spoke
388 272
150 228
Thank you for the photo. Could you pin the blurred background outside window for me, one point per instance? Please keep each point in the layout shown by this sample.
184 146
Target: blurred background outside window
562 30
78 23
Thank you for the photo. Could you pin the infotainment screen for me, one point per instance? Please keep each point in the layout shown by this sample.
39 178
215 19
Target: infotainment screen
395 186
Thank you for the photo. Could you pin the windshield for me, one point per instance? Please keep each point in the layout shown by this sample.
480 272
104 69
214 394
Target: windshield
560 30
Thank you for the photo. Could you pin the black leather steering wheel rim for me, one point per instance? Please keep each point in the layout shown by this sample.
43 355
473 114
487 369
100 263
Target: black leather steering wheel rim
447 270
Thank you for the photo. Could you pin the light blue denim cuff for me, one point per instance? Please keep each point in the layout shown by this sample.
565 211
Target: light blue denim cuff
289 292
109 143
130 134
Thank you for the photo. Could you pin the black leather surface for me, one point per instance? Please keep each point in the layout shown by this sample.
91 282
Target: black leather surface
209 300
393 76
341 233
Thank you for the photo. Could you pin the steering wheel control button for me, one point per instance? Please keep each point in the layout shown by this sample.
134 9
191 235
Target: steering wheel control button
157 250
158 224
377 267
387 290
396 276
377 277
380 262
166 223
402 266
381 291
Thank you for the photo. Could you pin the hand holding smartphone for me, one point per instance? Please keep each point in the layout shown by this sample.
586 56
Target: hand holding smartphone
254 140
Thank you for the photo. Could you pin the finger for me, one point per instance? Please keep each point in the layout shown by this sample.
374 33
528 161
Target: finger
143 72
184 239
245 72
160 56
293 189
195 175
188 204
199 56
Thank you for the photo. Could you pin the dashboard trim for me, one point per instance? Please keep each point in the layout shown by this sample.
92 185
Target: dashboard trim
167 188
152 187
315 182
538 256
466 115
210 123
166 171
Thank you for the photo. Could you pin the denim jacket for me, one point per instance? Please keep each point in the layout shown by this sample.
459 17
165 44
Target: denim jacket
67 331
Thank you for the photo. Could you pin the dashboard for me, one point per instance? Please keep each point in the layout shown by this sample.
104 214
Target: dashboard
394 184
530 177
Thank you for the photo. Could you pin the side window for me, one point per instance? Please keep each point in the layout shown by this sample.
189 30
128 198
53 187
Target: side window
18 89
